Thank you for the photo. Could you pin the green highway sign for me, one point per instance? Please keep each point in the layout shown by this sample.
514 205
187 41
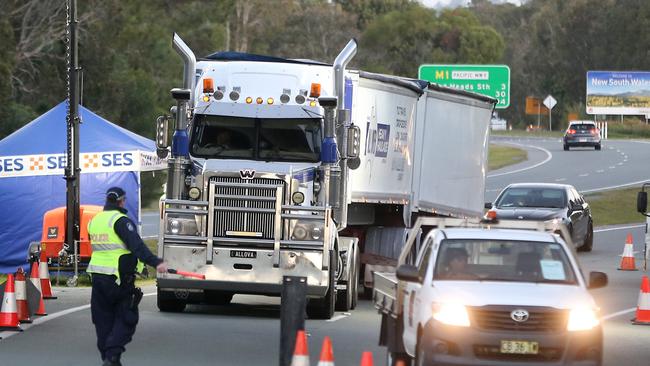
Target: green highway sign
490 80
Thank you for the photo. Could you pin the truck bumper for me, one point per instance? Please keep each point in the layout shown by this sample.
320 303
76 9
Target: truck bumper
448 345
242 275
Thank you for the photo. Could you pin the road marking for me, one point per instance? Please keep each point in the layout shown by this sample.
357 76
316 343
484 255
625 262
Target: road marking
560 179
337 318
614 315
615 187
584 175
149 237
612 167
619 228
47 318
620 163
599 171
549 156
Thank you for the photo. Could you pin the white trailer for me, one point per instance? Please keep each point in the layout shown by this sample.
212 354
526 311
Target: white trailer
282 167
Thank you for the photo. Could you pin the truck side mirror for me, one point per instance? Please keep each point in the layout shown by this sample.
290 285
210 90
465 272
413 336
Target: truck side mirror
162 136
408 273
597 280
642 202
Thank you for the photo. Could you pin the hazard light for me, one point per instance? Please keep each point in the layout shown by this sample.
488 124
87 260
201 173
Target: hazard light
314 92
208 85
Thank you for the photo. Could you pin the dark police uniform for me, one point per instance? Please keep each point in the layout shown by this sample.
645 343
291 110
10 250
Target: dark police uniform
114 302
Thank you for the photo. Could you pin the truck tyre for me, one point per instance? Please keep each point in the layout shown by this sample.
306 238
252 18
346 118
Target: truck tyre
323 308
219 298
347 299
169 305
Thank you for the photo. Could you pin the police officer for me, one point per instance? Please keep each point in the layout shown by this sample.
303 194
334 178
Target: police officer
117 254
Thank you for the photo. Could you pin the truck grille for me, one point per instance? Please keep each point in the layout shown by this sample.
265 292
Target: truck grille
541 319
247 221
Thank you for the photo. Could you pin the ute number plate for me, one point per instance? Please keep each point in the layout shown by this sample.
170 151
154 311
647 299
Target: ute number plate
520 347
243 254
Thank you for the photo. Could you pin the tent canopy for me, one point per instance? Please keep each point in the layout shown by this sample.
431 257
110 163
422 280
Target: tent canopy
32 163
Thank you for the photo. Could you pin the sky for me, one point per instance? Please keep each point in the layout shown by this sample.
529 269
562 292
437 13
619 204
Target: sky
457 3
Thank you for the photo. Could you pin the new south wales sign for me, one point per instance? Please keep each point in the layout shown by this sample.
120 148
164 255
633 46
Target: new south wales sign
490 80
618 92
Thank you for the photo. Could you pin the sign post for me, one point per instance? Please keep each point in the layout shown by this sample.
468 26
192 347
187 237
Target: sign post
490 80
550 102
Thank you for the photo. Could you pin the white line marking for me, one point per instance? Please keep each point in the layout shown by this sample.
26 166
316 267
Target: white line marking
615 187
619 228
619 163
612 167
560 179
149 237
584 175
549 156
614 315
337 318
599 171
47 318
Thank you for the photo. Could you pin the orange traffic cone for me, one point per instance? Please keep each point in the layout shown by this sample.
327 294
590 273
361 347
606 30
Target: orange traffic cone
627 262
21 297
44 275
300 353
33 278
9 312
326 353
643 309
366 359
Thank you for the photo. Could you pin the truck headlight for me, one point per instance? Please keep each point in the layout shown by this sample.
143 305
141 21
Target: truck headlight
298 198
182 225
582 319
307 230
194 193
451 314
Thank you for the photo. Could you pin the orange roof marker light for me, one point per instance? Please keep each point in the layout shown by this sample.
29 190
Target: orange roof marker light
314 92
208 85
249 100
259 100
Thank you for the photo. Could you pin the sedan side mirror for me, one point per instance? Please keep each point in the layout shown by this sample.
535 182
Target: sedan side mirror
597 280
488 205
408 273
642 202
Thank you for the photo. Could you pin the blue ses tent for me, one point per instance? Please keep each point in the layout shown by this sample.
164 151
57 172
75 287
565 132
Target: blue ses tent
32 163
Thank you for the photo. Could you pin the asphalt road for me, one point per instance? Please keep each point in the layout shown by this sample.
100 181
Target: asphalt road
247 332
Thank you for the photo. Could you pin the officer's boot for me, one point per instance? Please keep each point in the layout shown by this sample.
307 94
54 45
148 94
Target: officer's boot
113 360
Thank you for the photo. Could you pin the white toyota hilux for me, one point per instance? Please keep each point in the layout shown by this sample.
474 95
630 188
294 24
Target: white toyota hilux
477 293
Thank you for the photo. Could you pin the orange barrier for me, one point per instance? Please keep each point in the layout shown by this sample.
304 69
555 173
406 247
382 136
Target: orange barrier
9 312
643 307
627 262
21 298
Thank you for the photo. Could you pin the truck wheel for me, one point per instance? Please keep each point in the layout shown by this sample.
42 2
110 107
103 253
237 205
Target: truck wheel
347 299
220 298
169 305
323 308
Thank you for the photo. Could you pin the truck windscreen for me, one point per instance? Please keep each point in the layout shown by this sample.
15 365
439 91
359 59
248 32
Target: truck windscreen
266 139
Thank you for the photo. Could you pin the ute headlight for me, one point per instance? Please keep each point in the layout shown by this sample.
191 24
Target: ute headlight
182 225
582 319
298 198
194 193
451 314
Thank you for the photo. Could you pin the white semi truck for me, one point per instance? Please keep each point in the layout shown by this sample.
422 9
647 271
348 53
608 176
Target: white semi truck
284 167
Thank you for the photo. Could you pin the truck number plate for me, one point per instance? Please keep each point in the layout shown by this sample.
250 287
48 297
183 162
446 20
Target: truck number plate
242 254
520 347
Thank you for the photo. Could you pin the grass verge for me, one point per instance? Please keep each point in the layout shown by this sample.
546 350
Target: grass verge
614 207
524 133
500 156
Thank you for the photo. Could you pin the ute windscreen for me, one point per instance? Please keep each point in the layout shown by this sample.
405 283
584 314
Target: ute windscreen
220 137
503 260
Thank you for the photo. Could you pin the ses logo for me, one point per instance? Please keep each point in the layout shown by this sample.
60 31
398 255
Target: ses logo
43 163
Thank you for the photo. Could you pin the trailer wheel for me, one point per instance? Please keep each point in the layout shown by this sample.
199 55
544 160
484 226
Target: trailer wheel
169 304
323 308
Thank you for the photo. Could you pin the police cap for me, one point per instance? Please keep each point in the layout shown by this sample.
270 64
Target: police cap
115 194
